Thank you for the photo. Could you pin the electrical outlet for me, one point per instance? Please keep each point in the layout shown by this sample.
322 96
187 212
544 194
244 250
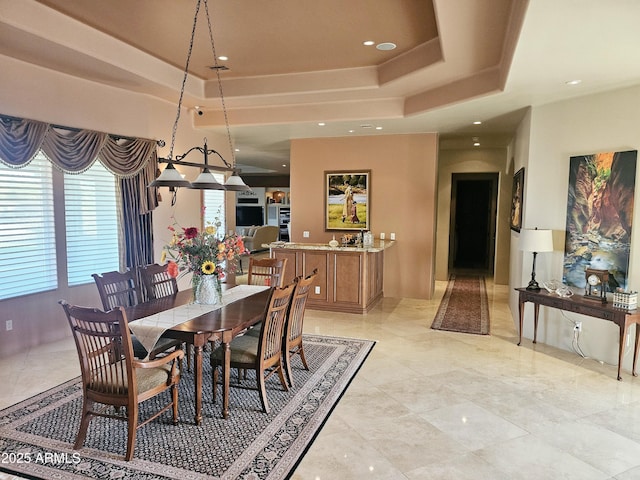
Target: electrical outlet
317 290
9 325
392 236
305 234
577 327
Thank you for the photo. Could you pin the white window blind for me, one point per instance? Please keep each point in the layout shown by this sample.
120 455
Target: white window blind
27 243
91 216
214 205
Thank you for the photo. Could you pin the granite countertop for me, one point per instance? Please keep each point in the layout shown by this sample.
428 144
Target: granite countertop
378 246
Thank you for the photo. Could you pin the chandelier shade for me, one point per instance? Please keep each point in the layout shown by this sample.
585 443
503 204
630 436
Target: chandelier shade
170 177
235 183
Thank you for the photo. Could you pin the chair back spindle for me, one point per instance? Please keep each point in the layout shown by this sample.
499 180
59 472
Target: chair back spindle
266 271
157 281
117 289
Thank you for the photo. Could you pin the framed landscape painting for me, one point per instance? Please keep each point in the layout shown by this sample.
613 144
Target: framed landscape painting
600 204
347 200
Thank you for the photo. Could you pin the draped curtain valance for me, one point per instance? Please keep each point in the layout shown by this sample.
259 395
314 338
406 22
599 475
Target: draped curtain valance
73 151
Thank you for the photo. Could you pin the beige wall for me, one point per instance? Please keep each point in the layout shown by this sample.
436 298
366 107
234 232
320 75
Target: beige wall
474 161
403 193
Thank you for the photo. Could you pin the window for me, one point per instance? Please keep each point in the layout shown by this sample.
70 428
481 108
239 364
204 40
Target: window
27 243
214 205
91 218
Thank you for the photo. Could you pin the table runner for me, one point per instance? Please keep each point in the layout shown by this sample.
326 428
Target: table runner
149 329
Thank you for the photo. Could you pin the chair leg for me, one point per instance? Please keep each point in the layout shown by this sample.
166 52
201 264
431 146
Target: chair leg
132 427
215 381
188 351
84 424
286 359
262 390
283 381
174 397
304 360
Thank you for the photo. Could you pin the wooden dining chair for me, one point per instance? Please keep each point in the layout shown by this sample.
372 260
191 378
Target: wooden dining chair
262 354
112 376
157 282
292 342
266 271
120 289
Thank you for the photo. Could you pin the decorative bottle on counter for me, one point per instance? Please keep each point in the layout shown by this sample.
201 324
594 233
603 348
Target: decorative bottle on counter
368 239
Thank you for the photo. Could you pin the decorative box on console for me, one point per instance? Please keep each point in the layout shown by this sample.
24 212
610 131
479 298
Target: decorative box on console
625 300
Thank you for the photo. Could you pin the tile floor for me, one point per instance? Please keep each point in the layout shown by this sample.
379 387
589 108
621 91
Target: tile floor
438 405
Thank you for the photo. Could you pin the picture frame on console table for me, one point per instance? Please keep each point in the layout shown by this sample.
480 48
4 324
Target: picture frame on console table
347 200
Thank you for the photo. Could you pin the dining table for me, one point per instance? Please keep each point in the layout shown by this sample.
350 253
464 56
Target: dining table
223 322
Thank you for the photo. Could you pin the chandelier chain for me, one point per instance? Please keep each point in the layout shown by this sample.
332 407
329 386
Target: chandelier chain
217 69
184 81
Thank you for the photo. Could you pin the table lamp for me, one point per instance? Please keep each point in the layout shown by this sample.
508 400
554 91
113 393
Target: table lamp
535 241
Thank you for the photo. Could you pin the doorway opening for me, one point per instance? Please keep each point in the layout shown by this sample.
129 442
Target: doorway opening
474 199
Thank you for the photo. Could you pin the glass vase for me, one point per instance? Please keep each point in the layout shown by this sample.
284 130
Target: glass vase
208 290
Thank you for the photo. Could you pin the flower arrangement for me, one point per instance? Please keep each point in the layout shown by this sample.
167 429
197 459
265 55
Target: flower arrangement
202 252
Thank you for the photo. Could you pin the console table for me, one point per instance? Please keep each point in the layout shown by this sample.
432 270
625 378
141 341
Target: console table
584 306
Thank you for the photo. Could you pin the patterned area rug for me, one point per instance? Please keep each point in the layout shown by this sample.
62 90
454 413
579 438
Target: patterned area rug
37 435
464 306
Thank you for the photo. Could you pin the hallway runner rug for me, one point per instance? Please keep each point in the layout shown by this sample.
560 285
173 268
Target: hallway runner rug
37 435
464 307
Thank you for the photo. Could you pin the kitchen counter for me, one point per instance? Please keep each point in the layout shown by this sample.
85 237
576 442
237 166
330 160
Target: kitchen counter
378 245
350 278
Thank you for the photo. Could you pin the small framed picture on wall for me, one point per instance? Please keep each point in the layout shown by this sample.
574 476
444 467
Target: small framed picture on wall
347 201
516 200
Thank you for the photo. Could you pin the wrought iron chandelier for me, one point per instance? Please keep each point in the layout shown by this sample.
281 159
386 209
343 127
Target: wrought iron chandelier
170 177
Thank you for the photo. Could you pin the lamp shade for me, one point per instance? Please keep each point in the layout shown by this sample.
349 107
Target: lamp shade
536 240
206 181
235 184
170 177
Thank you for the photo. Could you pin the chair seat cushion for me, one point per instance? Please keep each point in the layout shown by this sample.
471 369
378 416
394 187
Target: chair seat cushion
255 331
244 349
148 378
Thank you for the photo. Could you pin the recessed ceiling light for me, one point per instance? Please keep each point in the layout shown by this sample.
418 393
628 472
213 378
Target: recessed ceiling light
366 125
321 124
386 46
378 128
224 58
574 82
368 43
477 122
284 164
236 150
351 131
476 144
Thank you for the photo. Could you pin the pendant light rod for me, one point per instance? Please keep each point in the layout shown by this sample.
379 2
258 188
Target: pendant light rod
206 152
170 177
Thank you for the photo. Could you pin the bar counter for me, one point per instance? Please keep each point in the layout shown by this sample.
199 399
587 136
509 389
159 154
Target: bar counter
350 278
